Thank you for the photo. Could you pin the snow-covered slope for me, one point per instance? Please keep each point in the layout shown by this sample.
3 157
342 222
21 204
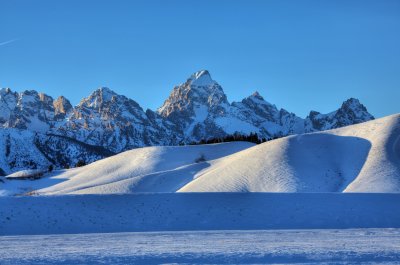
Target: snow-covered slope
356 158
149 169
24 149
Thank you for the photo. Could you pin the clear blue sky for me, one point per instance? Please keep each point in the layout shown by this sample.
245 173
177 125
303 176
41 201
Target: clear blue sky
300 55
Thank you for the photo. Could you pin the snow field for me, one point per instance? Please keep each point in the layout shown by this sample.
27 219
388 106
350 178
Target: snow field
196 211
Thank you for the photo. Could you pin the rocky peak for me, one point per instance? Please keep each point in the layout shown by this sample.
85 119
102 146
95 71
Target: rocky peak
8 98
98 97
199 91
61 107
34 101
352 112
201 78
45 99
256 95
5 90
353 104
256 104
106 104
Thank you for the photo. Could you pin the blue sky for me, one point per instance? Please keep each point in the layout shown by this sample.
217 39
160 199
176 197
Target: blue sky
300 55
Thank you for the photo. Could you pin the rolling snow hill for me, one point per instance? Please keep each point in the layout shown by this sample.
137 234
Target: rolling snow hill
357 158
148 169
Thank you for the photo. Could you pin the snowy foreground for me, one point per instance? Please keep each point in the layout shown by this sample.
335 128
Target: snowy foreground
367 246
196 211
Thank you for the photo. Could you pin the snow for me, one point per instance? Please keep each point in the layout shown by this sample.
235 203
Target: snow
358 158
196 211
149 169
37 125
26 174
18 146
354 246
201 78
231 125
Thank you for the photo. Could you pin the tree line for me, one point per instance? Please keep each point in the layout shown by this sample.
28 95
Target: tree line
236 137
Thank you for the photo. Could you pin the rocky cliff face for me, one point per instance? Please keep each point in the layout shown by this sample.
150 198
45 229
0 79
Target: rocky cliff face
105 123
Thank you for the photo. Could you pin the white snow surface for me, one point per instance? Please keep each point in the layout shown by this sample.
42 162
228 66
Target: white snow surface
357 158
350 246
149 169
72 214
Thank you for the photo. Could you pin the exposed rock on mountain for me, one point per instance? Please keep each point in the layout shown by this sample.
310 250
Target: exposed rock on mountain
114 122
351 112
62 107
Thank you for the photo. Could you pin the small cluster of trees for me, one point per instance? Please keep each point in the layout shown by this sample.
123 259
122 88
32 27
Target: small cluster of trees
252 137
80 163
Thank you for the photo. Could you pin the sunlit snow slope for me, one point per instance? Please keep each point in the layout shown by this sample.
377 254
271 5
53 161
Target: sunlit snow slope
149 169
356 158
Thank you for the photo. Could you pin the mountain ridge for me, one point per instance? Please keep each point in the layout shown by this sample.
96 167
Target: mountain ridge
195 110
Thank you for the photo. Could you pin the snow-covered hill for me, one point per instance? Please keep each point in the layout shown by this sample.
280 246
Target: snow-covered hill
195 110
148 169
357 158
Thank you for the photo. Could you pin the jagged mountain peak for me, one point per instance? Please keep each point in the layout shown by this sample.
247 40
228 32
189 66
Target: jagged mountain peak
98 97
199 91
257 95
350 112
201 84
256 100
32 97
104 92
201 78
353 110
61 106
354 104
5 90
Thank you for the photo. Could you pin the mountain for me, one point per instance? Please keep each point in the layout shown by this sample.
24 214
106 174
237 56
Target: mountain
351 112
106 123
199 108
194 107
24 149
358 158
113 121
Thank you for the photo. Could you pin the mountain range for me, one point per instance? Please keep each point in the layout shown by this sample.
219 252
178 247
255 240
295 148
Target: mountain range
38 131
